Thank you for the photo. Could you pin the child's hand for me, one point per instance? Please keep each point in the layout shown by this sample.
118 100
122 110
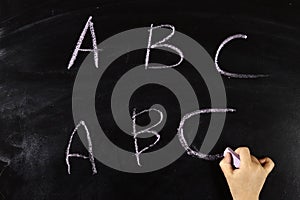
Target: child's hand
246 182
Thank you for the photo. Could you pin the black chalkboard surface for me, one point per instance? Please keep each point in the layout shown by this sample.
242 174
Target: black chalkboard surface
37 40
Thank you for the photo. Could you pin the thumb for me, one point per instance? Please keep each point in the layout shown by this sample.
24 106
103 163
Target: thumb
268 164
262 161
225 165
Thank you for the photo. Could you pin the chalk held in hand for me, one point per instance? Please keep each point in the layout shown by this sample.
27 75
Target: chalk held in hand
235 157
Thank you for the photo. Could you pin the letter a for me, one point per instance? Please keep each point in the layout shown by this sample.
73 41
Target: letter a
89 24
90 149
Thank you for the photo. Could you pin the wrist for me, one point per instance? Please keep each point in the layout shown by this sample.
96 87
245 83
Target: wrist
246 198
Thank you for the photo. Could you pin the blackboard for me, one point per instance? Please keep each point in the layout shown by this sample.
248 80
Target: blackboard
37 39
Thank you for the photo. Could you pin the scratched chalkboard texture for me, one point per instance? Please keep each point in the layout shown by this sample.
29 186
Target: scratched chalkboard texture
37 39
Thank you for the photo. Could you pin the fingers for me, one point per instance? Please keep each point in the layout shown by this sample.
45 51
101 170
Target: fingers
244 154
262 160
246 160
226 166
267 164
255 160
